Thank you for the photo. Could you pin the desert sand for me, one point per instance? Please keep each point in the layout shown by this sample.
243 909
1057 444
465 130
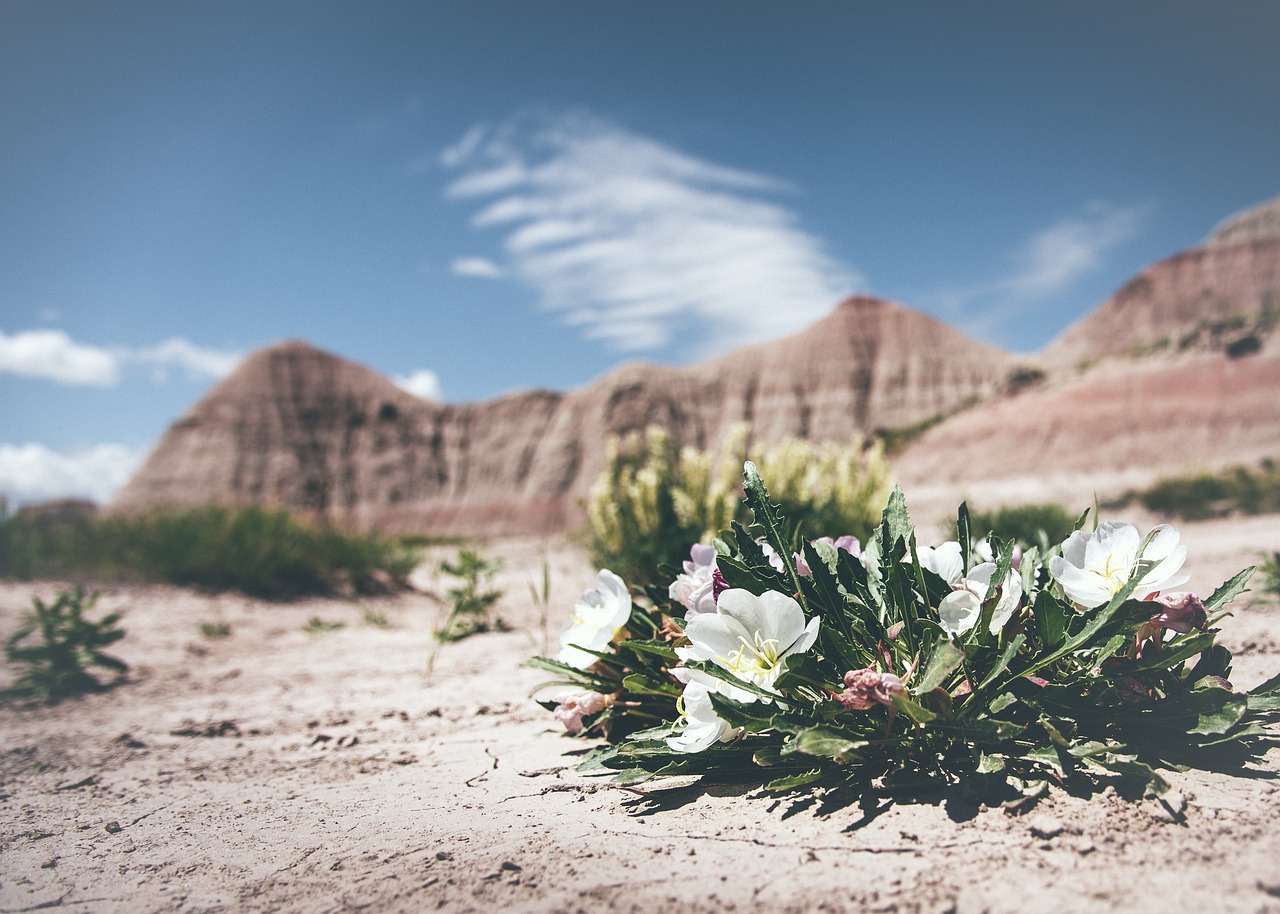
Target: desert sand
275 770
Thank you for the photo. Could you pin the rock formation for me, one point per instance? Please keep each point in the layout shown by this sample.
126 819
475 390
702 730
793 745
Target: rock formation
1186 379
1209 296
309 431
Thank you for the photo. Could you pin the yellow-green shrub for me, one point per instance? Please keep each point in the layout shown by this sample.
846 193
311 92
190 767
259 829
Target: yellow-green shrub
653 501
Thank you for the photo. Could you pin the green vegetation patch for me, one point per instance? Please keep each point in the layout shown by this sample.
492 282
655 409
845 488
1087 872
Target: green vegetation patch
1033 524
261 552
57 647
1201 496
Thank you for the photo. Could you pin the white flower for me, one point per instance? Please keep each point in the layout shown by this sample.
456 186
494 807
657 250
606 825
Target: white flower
1094 566
703 726
597 618
959 611
750 636
944 561
695 588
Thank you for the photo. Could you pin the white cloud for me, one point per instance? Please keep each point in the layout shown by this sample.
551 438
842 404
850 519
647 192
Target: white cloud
54 356
32 472
1071 248
635 241
422 383
198 361
480 267
1049 263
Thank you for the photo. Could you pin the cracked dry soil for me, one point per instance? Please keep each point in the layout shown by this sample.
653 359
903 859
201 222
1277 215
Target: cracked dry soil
272 770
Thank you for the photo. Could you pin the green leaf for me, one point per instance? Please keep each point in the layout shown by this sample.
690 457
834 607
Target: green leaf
767 517
895 519
1100 617
1140 771
1049 616
1218 710
1267 701
1010 651
570 672
792 781
963 535
1228 591
989 764
639 684
983 730
1173 653
918 713
650 646
828 744
944 661
721 673
738 575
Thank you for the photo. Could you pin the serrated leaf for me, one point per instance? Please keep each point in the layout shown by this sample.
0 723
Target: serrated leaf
1153 783
1002 664
1218 712
1173 653
990 764
944 661
983 730
652 646
918 713
827 744
792 781
1228 591
639 684
768 518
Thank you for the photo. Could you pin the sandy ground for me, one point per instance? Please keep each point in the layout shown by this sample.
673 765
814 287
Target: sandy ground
273 770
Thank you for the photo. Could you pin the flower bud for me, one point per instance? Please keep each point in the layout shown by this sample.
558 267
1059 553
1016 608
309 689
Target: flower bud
577 705
1182 612
865 688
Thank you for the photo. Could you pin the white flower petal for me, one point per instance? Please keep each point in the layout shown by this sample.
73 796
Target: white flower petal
959 612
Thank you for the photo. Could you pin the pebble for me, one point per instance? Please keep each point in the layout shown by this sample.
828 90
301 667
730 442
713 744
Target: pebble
1046 827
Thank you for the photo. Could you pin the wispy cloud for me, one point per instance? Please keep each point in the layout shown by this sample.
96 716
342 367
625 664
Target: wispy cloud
1071 248
52 355
422 383
198 362
480 267
636 242
32 472
1049 263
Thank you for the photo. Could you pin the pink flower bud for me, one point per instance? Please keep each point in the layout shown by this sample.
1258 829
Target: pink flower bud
866 688
718 585
574 707
1182 612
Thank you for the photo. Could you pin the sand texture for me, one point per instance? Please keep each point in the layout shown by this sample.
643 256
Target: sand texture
273 770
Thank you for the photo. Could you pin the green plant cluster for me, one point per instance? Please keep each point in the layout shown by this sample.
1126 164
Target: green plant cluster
260 551
57 647
1200 496
1055 693
472 598
653 500
1032 524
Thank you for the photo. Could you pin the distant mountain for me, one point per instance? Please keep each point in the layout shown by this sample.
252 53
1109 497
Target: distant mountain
303 429
1179 370
1205 296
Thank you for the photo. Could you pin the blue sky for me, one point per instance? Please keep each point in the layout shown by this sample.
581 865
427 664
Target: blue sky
477 197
